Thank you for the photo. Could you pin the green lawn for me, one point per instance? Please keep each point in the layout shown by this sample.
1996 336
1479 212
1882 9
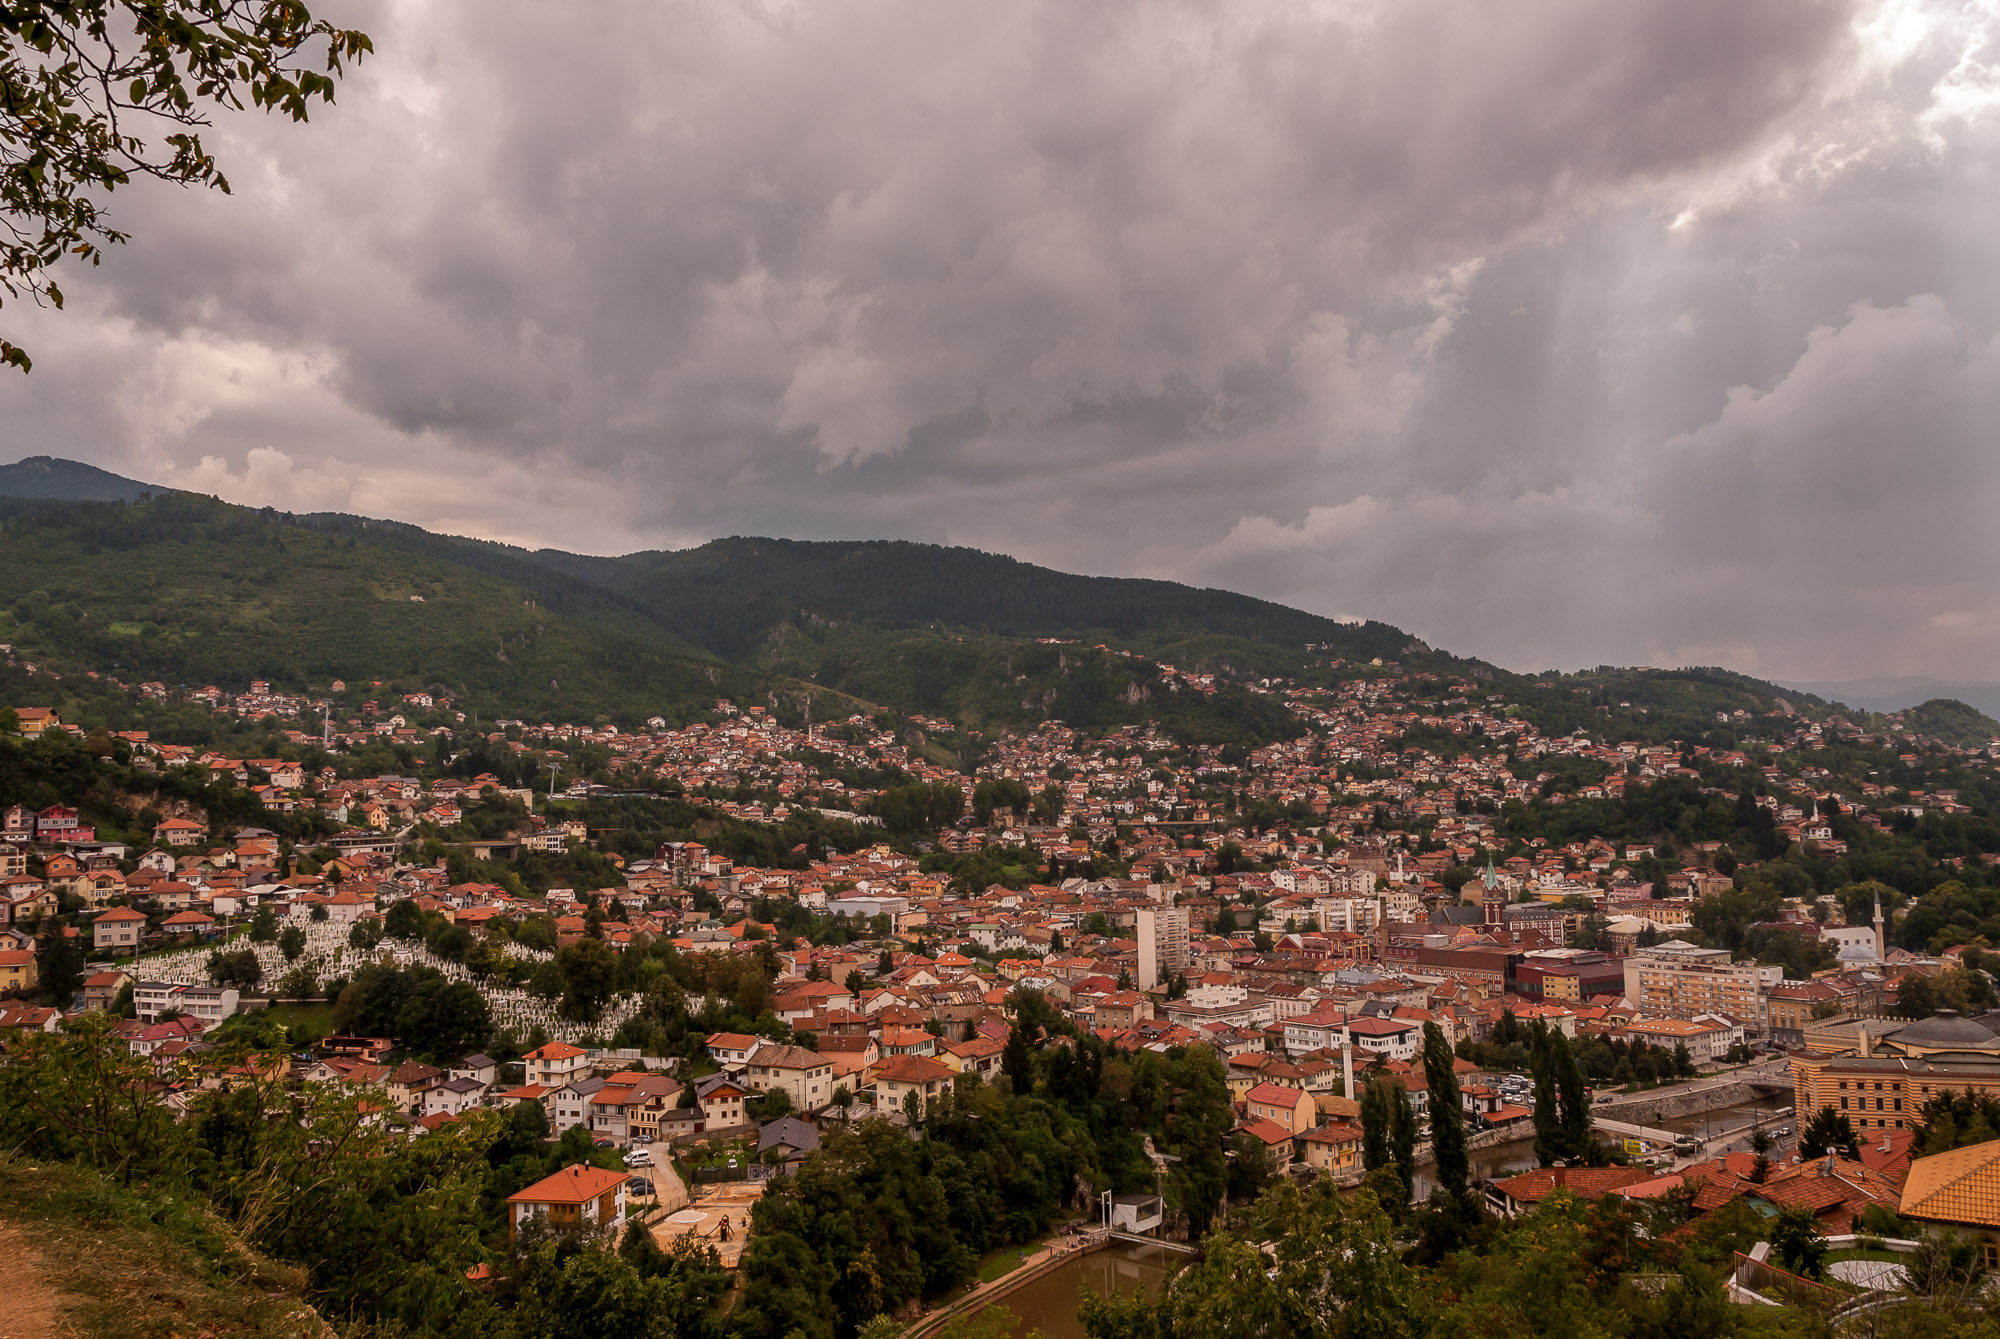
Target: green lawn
1006 1259
314 1018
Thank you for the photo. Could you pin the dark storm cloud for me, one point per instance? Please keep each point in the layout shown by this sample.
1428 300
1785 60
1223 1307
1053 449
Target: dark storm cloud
1424 311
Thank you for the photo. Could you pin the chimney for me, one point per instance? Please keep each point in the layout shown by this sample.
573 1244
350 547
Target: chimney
1562 1174
1864 1039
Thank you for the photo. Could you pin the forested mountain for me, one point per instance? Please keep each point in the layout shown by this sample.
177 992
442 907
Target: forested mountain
184 589
71 481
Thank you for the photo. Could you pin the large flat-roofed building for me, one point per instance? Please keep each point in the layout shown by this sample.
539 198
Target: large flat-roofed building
1568 975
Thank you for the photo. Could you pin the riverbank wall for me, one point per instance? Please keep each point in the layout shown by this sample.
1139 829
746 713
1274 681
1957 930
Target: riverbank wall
1652 1108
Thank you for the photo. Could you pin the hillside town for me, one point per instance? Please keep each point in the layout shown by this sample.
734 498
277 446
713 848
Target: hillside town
1720 914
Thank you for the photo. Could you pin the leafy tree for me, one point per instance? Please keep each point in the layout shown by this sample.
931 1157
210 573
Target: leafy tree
1017 1059
292 943
1951 1120
264 925
1578 1123
59 963
300 983
238 968
588 971
1197 1123
405 921
1827 1131
1250 1168
433 1016
593 1294
79 78
1797 1241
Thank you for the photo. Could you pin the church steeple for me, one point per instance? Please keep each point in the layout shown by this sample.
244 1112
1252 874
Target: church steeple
1493 902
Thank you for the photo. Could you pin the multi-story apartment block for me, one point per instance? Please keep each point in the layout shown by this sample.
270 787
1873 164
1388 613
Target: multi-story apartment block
1679 980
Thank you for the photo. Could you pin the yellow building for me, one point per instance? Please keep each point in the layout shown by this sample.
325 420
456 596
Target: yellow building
17 970
1885 1083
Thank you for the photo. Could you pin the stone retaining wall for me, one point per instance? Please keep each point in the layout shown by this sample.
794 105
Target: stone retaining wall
1652 1108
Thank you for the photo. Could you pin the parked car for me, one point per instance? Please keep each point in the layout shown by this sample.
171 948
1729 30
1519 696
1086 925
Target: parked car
638 1157
639 1185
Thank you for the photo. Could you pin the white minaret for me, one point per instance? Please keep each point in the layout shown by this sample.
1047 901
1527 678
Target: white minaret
1881 944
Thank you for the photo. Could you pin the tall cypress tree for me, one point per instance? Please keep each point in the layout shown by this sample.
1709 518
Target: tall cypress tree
1577 1122
1402 1135
1549 1137
1448 1140
1374 1126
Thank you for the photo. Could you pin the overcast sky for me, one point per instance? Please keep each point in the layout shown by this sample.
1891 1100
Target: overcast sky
1558 332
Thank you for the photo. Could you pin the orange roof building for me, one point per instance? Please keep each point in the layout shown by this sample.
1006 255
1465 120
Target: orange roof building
576 1199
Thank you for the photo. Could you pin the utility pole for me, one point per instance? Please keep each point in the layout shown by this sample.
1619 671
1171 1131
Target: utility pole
554 765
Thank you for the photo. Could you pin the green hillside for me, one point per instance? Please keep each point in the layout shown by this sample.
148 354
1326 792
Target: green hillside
51 478
1952 721
730 594
186 590
1000 683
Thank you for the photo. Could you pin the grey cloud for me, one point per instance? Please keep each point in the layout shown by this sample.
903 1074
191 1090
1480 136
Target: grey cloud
1397 309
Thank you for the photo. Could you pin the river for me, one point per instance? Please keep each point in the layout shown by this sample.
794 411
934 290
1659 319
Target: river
1049 1303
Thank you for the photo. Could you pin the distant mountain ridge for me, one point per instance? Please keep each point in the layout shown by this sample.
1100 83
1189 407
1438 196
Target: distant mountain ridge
1903 692
54 479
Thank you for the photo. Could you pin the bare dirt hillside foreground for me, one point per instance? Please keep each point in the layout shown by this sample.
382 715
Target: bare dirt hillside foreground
34 1308
87 1259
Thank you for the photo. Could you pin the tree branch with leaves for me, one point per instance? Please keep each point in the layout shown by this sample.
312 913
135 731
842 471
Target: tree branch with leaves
96 93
